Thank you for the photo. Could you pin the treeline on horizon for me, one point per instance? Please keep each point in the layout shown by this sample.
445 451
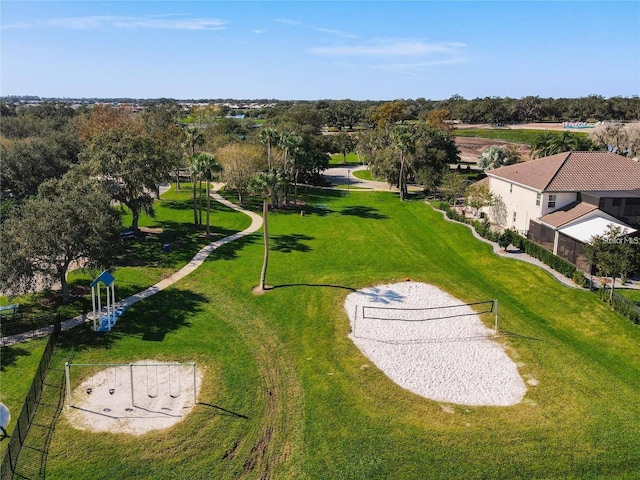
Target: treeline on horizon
494 110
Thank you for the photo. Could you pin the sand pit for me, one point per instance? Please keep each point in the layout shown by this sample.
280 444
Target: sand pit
162 397
452 360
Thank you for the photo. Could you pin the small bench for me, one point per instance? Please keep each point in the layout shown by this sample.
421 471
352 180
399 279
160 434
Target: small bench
320 206
9 310
128 234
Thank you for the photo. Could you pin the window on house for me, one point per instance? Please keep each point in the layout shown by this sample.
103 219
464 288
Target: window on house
510 187
514 217
601 203
617 202
632 207
538 197
552 201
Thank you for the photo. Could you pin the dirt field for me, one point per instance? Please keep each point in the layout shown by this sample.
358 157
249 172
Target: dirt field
471 147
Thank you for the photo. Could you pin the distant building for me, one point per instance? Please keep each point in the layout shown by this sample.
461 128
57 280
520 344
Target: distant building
561 201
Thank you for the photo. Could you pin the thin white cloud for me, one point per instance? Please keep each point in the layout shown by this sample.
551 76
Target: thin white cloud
414 67
12 26
400 56
335 32
151 22
389 48
330 31
288 21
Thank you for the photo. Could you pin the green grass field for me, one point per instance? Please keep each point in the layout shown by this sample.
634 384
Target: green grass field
143 262
363 174
337 159
286 394
508 135
633 295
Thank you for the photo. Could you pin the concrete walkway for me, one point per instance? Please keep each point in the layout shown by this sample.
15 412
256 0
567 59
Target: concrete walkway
194 263
345 176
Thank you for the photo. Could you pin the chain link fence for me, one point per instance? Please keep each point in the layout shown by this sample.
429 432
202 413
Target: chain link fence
29 408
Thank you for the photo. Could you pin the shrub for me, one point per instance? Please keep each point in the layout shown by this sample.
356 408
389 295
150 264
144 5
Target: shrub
483 228
544 255
578 279
621 305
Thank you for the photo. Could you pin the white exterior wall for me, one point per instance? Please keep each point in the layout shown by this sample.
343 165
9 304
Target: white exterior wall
562 199
522 200
518 199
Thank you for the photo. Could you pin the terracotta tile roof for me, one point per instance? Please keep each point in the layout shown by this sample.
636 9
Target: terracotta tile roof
534 173
596 171
567 214
575 172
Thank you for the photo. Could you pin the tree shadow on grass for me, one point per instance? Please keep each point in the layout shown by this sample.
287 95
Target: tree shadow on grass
182 243
323 285
363 212
505 333
163 313
290 243
9 356
148 320
223 411
177 204
84 337
320 210
229 251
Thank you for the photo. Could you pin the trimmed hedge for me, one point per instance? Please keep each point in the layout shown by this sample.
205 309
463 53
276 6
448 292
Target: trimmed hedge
621 304
544 255
483 228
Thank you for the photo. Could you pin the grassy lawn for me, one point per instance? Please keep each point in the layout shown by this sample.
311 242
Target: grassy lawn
337 159
143 261
18 364
363 174
633 295
508 135
286 394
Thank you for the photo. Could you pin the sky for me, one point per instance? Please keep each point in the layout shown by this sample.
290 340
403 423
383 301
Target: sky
306 50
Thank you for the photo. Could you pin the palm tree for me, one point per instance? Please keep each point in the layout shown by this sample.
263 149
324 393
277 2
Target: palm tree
403 140
194 138
264 183
194 172
291 143
271 137
207 166
549 144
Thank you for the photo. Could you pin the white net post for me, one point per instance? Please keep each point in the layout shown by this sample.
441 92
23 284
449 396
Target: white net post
355 319
195 390
68 379
131 379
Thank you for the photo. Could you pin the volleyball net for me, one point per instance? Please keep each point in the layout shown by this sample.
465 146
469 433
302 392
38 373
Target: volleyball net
397 324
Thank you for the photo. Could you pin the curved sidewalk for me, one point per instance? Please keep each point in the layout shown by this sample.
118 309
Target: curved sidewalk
194 263
342 175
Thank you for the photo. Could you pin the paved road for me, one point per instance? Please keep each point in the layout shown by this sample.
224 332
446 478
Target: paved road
344 176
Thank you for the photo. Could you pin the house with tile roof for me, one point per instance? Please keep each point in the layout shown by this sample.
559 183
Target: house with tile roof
561 201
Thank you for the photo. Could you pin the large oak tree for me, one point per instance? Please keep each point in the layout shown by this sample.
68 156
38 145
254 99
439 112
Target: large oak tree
70 220
132 166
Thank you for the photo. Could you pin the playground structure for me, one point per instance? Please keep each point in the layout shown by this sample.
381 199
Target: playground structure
139 382
104 319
